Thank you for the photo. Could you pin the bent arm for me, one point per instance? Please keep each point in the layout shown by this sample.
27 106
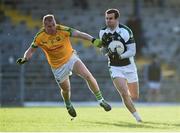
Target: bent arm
29 52
82 35
131 51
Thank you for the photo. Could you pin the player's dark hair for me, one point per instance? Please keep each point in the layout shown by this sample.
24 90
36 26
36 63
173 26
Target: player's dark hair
115 11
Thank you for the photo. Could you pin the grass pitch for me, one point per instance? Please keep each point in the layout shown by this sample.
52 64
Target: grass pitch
165 118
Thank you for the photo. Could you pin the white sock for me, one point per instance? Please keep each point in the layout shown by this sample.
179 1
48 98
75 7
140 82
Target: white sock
100 101
136 116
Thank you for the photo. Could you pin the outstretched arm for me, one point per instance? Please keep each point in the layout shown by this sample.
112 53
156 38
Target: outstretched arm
27 55
83 35
29 52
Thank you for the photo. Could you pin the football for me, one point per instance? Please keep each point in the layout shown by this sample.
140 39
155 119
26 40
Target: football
118 45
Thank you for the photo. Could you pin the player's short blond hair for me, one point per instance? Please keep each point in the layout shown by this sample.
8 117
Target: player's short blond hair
48 17
115 11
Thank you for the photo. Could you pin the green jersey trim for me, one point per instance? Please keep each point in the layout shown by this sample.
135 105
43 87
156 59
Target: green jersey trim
65 28
33 45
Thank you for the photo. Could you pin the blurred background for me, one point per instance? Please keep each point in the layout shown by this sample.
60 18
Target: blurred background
156 27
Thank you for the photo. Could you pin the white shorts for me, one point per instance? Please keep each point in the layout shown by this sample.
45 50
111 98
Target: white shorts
63 72
154 85
128 72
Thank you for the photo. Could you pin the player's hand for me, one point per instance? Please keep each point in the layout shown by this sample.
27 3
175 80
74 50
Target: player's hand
113 54
104 50
96 42
21 61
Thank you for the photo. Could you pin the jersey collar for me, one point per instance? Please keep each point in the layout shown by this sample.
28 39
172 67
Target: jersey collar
108 30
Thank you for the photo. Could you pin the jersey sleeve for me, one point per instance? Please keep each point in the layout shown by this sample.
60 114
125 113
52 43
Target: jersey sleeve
35 42
34 45
67 30
131 38
128 36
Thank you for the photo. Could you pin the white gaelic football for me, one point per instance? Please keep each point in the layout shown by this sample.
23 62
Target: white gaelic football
118 45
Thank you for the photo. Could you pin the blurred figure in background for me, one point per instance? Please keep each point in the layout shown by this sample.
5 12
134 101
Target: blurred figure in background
153 76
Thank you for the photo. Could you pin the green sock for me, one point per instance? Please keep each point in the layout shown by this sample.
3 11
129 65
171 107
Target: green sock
99 96
67 103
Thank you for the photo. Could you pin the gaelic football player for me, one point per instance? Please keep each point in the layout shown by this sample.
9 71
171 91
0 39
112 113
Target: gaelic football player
54 40
122 67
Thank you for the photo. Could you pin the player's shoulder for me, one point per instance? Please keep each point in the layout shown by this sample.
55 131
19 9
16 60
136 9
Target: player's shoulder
125 27
104 28
65 29
62 27
40 32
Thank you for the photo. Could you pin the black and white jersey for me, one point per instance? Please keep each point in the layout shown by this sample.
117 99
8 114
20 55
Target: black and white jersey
120 33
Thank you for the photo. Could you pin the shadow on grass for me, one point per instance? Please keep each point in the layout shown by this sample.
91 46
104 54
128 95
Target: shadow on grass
146 125
162 124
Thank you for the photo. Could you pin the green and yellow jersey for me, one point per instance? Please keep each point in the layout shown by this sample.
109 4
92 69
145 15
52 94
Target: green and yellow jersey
57 48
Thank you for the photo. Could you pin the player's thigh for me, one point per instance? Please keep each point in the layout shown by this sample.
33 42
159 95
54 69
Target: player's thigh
134 89
81 70
121 85
65 85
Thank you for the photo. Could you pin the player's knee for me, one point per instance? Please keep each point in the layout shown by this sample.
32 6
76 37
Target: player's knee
65 90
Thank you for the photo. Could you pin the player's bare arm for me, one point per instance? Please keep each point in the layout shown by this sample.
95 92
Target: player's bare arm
27 55
29 52
83 35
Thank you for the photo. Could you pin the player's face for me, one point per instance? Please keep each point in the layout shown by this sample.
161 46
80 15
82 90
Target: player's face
50 26
111 22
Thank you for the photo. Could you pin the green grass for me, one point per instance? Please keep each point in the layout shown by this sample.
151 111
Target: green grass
165 118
